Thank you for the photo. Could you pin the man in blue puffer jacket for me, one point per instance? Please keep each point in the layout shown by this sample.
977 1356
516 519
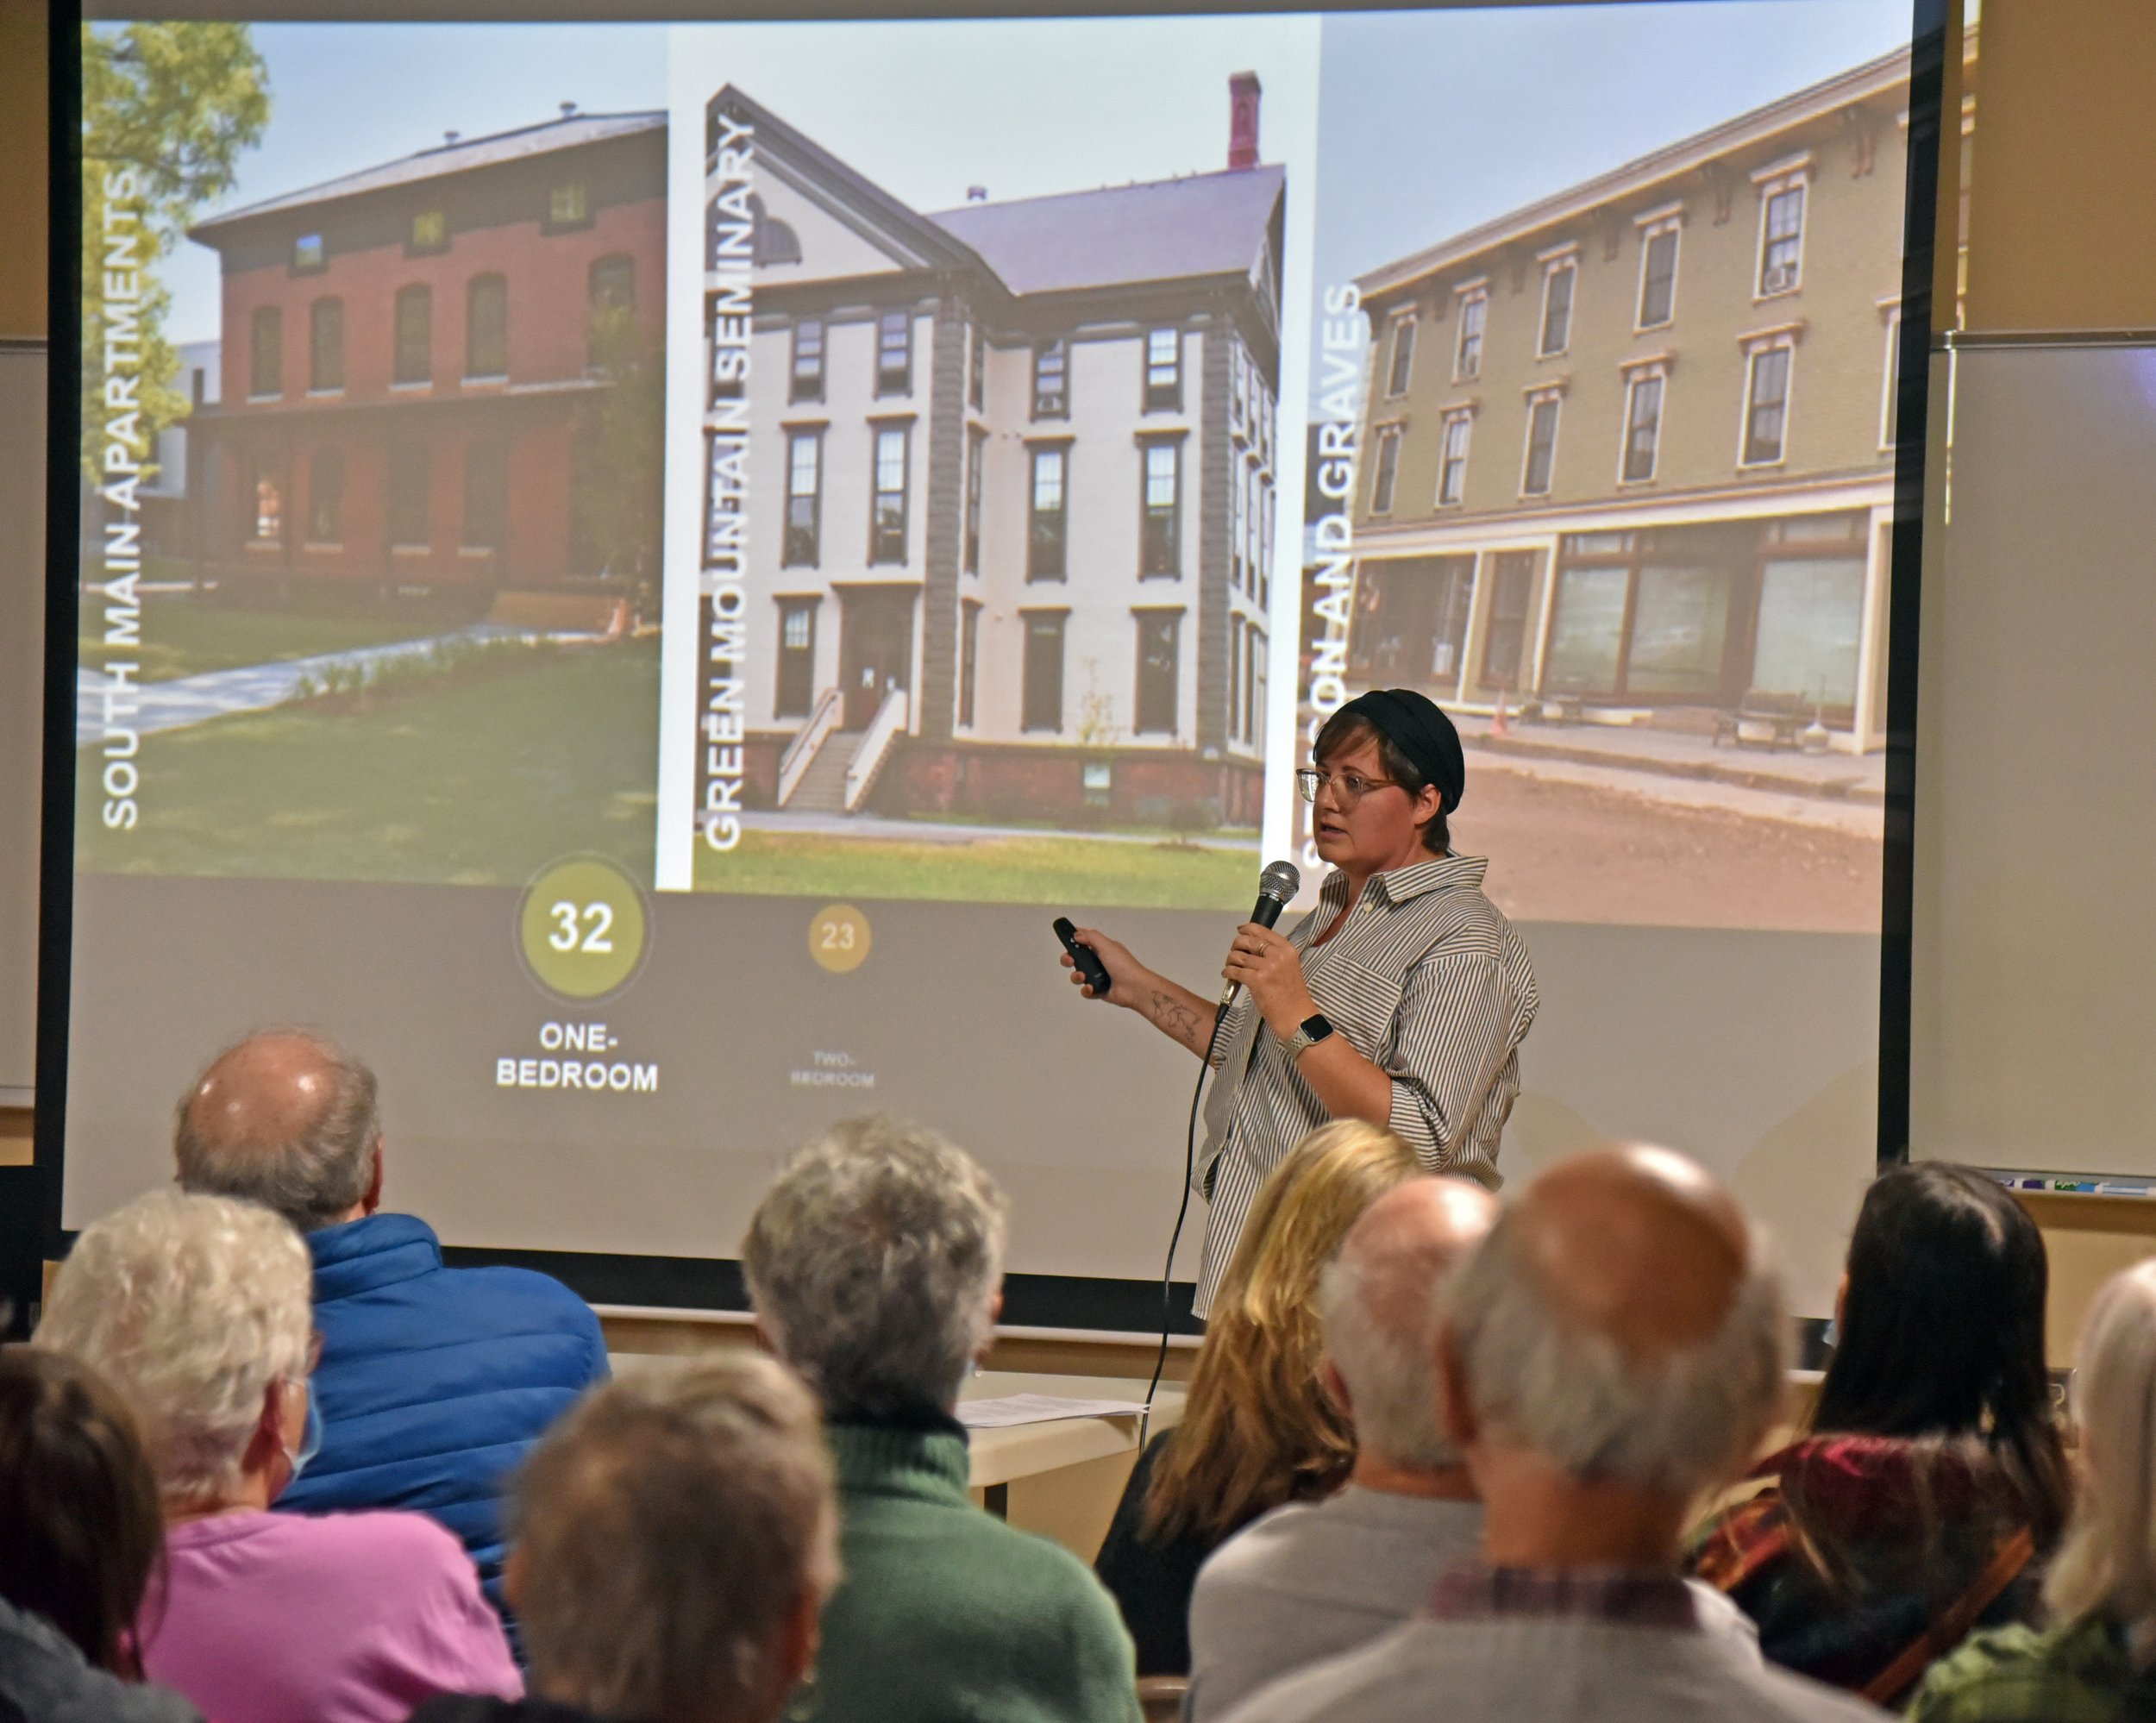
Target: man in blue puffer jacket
433 1381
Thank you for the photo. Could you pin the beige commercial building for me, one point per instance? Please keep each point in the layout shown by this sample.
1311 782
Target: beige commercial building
1008 482
1628 452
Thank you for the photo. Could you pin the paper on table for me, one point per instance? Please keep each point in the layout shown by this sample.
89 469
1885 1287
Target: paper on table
1038 1408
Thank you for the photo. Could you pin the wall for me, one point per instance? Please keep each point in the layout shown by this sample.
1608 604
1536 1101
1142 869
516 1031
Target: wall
2064 90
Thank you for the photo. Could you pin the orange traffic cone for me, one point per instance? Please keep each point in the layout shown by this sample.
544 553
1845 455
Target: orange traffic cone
1498 727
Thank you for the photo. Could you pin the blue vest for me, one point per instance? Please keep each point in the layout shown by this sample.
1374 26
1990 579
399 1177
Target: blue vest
434 1381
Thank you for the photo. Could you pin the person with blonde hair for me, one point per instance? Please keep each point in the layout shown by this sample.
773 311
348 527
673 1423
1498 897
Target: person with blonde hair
1258 1429
196 1310
2096 1661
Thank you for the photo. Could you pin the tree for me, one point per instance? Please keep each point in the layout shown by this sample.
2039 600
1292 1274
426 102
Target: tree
167 110
615 488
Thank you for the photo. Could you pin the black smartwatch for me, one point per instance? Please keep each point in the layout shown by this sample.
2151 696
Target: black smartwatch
1313 1029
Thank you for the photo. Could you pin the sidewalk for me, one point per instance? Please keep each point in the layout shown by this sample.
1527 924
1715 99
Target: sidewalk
1833 777
160 706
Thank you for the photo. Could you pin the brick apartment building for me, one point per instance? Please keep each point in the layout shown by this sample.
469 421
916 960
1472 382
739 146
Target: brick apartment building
407 359
1630 449
1010 488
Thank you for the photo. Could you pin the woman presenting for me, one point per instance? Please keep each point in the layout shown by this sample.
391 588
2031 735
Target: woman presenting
1401 999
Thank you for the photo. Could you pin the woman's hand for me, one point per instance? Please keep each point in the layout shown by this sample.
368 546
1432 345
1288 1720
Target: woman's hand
1126 975
1270 966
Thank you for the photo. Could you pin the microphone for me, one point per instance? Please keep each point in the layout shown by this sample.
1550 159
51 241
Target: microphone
1276 886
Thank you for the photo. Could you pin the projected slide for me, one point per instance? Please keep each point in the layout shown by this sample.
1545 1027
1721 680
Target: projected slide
630 569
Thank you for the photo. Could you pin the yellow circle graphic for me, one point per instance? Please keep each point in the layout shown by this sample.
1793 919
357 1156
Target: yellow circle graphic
838 937
582 927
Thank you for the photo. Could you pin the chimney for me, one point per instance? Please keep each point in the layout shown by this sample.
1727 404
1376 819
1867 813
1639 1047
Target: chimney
1244 89
977 194
568 110
450 137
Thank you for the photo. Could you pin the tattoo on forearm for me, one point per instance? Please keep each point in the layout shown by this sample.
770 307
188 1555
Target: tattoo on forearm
1178 1019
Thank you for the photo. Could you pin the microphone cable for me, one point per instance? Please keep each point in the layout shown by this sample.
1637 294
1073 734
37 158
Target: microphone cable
1174 1238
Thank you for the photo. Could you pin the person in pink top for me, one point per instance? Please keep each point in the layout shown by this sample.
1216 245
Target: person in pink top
197 1308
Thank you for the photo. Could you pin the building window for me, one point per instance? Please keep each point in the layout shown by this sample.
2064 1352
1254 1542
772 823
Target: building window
1542 445
1889 408
797 658
1466 356
266 506
408 495
1042 699
894 353
1643 426
1238 500
567 204
1253 519
1781 236
977 367
1558 281
414 359
1159 657
485 496
1452 461
1265 517
1657 275
805 499
772 240
1505 642
1161 534
1051 380
266 354
976 454
325 346
968 660
1046 544
1766 406
1237 628
430 233
806 371
1400 369
310 255
1253 682
613 283
486 327
1163 371
886 528
1388 473
325 497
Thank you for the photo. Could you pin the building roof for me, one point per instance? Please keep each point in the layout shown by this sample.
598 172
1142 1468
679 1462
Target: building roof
566 133
1156 230
1871 78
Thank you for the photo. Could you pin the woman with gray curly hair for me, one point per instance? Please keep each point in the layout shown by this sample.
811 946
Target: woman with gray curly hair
197 1309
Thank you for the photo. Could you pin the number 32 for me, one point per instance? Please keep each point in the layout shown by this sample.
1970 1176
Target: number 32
594 938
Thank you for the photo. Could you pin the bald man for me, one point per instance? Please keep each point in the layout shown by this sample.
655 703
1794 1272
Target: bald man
433 1381
1613 1348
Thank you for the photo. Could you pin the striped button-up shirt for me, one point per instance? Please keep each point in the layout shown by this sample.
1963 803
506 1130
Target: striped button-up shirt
1427 980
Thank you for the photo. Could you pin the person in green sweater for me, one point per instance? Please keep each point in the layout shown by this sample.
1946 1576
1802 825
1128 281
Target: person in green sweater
2095 1660
876 1267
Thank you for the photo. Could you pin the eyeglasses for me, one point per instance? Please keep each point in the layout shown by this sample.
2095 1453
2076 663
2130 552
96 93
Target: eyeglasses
1347 787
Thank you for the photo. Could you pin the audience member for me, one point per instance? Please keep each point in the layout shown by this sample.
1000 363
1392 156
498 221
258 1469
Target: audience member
1310 1580
1934 1471
80 1539
1614 1347
675 1541
196 1308
2096 1663
433 1381
1257 1428
876 1265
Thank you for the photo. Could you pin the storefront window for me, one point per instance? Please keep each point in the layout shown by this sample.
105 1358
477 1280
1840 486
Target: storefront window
1811 618
1588 629
1679 629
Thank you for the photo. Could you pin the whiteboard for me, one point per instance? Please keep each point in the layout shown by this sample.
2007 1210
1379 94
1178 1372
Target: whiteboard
22 691
2033 999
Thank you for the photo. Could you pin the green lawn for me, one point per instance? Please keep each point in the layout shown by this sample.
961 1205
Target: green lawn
482 782
184 635
1006 870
